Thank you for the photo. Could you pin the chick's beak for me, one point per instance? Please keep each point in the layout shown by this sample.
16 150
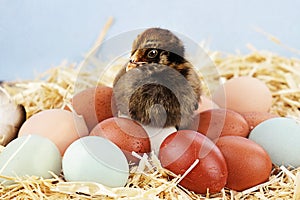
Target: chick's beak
134 62
131 64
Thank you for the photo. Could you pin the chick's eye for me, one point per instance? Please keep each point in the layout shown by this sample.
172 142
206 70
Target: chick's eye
152 53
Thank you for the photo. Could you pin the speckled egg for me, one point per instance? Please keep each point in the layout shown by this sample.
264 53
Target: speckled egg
181 149
247 162
94 104
221 122
127 134
255 118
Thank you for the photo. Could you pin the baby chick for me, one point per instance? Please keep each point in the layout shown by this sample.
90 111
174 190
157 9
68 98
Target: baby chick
162 48
156 45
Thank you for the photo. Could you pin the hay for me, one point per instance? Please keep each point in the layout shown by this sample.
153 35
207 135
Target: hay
50 90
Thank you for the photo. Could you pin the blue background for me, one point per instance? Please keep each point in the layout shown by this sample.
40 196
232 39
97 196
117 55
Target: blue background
36 35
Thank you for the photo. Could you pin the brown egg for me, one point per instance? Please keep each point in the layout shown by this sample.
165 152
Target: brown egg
255 118
60 126
244 94
248 163
126 134
181 149
221 122
94 104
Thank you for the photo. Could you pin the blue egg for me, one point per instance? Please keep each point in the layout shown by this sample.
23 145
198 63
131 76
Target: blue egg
30 155
280 137
95 159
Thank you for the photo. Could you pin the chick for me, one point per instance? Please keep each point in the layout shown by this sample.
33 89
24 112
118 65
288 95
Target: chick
156 45
163 49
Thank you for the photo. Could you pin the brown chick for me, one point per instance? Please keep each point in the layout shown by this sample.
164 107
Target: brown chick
160 46
156 45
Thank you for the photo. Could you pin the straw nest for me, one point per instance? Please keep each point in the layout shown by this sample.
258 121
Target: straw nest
149 180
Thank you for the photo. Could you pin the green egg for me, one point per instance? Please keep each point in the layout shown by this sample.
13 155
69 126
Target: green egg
95 159
30 155
280 138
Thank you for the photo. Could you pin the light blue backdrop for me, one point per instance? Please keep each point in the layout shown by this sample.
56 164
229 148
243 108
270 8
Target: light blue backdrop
35 34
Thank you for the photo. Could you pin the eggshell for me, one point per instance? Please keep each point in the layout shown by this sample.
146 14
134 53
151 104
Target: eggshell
255 118
280 138
180 150
221 122
12 117
94 104
157 135
244 94
60 126
126 134
30 155
248 163
95 159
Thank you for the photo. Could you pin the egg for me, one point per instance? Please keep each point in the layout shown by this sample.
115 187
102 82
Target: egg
95 159
30 155
60 126
221 122
126 134
280 138
244 94
255 118
248 163
181 149
12 116
94 104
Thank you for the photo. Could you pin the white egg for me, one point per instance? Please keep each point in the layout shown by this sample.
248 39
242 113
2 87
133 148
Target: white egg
157 135
31 155
280 138
95 159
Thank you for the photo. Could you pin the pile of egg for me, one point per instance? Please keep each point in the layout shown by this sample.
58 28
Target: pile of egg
232 142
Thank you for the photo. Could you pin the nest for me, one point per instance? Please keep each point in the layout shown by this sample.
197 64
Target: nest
149 180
